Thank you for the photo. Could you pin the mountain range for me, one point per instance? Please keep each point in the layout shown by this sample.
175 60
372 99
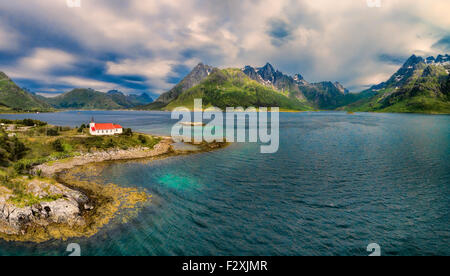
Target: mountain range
324 95
420 85
225 87
91 99
234 86
15 99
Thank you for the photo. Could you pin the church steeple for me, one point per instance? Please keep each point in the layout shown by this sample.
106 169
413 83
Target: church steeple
92 124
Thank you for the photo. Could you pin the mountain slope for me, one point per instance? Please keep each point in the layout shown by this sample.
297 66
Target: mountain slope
419 86
199 73
328 95
275 79
232 88
13 98
322 95
129 101
91 99
141 99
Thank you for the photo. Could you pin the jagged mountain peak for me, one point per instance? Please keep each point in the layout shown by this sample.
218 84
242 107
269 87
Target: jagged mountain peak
298 77
114 92
411 65
198 73
438 60
267 72
412 61
268 66
202 67
340 87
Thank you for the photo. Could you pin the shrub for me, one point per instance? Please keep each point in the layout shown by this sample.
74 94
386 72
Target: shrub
24 166
128 132
19 167
110 144
18 149
142 139
58 146
52 132
81 128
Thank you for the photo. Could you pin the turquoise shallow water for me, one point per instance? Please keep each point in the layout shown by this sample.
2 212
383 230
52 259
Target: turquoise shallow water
337 183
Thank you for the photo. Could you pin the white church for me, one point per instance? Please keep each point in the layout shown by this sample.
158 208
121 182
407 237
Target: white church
104 129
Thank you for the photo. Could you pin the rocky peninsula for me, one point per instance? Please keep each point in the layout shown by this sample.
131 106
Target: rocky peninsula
38 204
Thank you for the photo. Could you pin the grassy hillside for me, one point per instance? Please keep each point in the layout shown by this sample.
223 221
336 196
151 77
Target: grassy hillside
426 90
232 88
200 72
327 97
91 99
27 143
14 99
84 99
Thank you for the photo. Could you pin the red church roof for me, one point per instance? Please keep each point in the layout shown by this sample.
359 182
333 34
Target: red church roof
105 127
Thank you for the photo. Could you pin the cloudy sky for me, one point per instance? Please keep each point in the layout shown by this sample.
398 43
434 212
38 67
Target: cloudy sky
149 45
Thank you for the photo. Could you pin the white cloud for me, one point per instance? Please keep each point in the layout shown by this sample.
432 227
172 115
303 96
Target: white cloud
9 40
156 71
77 82
150 69
39 63
46 59
322 39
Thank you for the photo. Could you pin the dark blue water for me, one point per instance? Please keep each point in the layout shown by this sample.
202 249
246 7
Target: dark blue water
337 183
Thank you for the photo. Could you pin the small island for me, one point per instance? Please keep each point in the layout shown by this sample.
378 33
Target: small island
36 204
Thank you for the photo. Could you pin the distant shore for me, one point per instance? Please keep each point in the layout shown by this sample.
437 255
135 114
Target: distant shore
206 110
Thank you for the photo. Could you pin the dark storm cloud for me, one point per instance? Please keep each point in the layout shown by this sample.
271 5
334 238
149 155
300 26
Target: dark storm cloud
149 45
279 31
392 59
443 43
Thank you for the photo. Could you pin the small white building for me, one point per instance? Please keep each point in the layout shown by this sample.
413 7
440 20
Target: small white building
104 129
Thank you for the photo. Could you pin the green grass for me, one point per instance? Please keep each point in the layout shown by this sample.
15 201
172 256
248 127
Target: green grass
84 99
27 199
419 104
40 148
426 91
14 99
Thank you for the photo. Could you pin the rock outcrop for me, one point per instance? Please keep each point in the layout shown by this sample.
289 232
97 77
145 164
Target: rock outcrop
57 204
44 203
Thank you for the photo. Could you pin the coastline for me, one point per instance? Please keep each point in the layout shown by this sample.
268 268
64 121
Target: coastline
48 170
206 110
81 208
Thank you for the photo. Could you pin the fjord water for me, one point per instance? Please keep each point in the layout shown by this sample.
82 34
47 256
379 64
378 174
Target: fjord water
338 183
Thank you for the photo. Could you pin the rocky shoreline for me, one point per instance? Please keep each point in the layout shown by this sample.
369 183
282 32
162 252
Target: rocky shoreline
60 205
49 170
68 208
